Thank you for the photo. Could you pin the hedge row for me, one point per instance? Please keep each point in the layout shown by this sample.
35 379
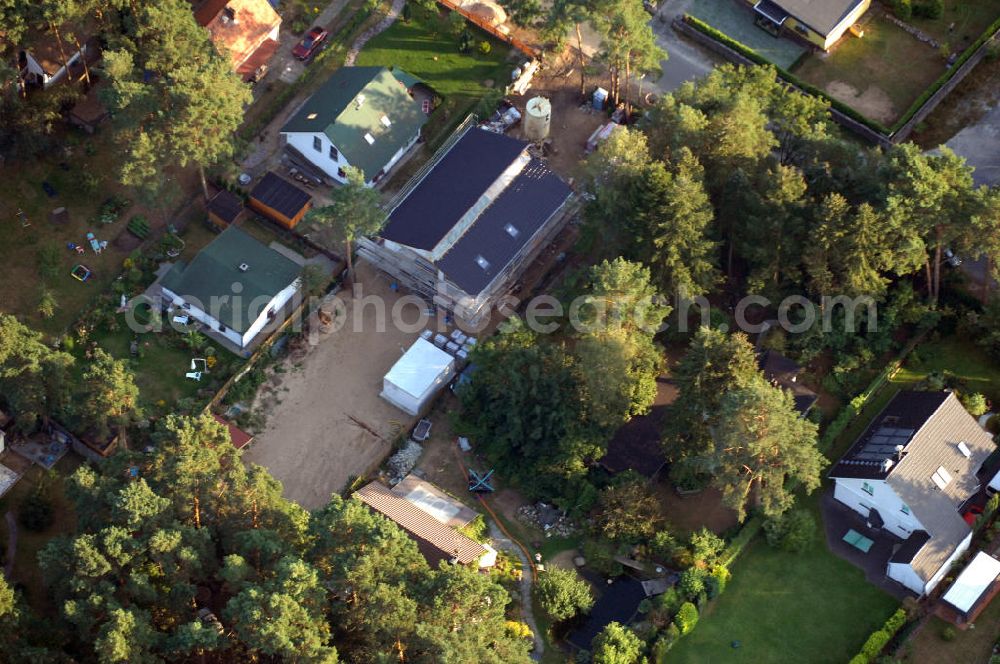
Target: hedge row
880 638
754 56
946 76
738 543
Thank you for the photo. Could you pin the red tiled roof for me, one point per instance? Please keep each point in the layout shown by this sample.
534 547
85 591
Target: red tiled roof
237 436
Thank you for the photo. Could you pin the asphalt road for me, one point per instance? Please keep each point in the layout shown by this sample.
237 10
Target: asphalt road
980 145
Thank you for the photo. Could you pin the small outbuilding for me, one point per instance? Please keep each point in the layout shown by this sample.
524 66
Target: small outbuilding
414 380
237 436
225 208
973 589
279 200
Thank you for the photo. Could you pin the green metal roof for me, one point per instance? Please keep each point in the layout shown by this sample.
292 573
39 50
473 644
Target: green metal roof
209 278
337 110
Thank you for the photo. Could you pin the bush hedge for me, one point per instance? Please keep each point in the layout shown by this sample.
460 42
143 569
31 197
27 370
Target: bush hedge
880 638
791 78
946 76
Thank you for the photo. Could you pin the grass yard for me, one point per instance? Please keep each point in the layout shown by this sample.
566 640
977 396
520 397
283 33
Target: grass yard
424 47
86 180
880 75
26 570
787 607
961 23
972 646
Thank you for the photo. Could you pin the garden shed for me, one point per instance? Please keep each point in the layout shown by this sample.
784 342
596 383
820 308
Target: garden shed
279 200
416 377
974 588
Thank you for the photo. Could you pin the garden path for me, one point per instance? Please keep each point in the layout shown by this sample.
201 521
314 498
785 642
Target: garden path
367 35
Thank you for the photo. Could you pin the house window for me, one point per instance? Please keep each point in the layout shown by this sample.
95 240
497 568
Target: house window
868 488
341 173
334 155
317 144
905 509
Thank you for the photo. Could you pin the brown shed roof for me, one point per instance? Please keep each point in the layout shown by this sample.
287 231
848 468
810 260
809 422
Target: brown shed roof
241 29
421 525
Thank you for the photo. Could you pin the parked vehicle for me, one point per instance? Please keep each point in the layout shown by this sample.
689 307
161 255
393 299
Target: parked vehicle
311 43
952 258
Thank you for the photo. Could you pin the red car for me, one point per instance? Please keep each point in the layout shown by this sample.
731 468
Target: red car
310 44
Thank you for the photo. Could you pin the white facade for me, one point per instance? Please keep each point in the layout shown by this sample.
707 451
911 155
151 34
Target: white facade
244 339
862 495
306 144
49 79
419 375
894 512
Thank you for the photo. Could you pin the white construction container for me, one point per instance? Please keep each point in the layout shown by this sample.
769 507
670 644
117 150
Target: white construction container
537 118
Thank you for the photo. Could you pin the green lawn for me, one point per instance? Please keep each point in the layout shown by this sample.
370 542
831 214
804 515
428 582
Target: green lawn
970 19
424 47
772 604
787 607
880 75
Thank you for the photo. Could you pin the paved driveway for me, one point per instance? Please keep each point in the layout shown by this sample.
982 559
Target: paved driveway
980 145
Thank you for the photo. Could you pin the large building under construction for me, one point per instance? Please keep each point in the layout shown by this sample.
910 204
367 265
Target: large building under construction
464 227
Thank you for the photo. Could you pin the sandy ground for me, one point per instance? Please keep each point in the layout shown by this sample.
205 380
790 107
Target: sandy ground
310 442
873 102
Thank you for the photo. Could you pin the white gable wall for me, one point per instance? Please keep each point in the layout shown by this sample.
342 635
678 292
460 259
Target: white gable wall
202 316
849 491
303 142
905 575
276 303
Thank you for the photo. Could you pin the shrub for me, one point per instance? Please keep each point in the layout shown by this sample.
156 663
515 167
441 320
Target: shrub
717 581
794 530
705 547
47 304
663 546
878 639
948 633
686 618
932 9
975 403
485 47
692 582
562 593
476 529
36 512
903 9
670 601
600 555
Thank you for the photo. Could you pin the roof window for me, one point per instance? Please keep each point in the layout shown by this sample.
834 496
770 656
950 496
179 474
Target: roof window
359 101
964 449
370 139
386 121
512 230
482 262
311 116
941 477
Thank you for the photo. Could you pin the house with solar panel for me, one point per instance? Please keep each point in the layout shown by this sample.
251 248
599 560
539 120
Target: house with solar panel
913 475
460 233
365 117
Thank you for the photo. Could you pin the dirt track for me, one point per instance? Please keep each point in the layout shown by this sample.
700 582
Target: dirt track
310 442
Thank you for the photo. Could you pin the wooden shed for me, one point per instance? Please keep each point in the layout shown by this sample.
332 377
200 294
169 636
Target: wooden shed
225 208
280 200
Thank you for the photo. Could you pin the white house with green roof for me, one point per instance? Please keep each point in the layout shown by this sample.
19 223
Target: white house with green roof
235 286
364 117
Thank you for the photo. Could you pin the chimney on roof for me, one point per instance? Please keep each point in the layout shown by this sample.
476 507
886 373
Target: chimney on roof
887 465
228 15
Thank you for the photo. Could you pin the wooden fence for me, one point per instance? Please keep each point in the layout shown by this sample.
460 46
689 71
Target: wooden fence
483 24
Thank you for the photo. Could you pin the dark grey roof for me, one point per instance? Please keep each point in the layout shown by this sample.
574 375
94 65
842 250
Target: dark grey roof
897 424
504 228
226 206
908 550
451 187
618 602
820 15
279 194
